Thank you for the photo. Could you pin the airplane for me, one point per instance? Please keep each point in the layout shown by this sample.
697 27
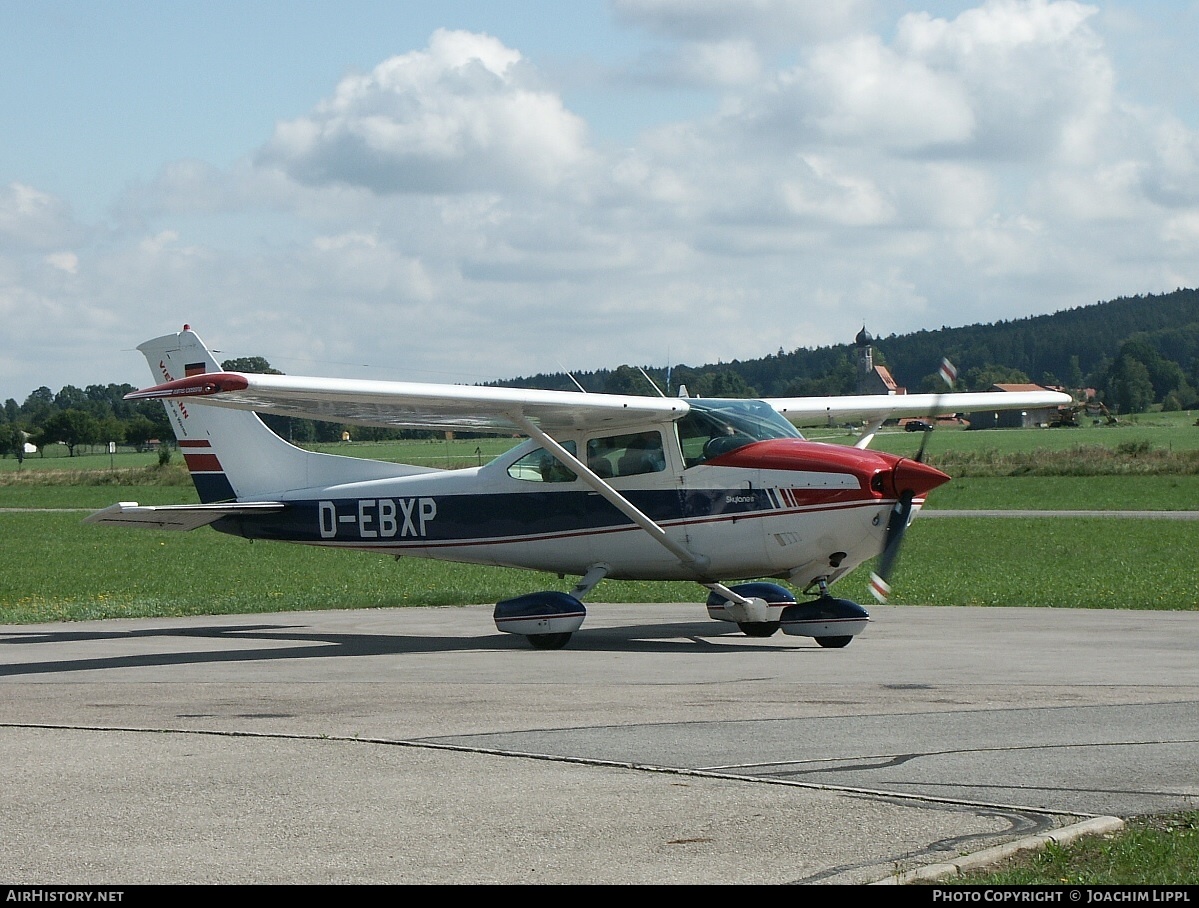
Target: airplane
726 493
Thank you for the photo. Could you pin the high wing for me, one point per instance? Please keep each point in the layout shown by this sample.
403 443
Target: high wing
809 410
505 410
417 405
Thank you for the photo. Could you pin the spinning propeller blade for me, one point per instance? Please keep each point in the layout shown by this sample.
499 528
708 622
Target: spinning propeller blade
911 477
897 525
949 374
924 442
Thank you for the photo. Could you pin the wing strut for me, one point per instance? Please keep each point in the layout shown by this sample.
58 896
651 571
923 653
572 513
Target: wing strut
868 432
697 563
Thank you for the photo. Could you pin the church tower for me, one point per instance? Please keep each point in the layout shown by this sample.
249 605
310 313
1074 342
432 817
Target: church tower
863 346
872 379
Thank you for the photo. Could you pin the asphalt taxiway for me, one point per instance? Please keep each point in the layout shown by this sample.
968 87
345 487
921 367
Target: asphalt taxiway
420 746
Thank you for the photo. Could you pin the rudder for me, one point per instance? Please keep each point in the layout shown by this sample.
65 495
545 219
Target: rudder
229 453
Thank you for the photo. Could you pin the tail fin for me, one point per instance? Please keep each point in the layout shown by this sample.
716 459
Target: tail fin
231 454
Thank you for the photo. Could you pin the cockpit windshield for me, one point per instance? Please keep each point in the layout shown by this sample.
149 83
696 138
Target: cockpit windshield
754 418
714 427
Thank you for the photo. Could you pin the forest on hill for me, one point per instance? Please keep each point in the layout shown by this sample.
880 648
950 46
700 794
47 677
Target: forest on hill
1134 353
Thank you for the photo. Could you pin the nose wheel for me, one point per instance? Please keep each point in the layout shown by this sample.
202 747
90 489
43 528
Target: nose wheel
834 642
758 628
548 641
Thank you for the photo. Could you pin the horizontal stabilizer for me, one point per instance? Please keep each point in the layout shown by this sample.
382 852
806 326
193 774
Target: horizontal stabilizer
178 516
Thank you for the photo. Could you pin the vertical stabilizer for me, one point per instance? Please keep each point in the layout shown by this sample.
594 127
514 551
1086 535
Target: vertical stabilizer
230 453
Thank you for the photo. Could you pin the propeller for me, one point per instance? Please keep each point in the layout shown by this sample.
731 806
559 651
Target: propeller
908 482
924 439
897 525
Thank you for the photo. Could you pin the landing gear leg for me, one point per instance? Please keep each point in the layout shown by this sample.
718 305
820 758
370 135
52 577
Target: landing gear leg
750 605
826 619
831 642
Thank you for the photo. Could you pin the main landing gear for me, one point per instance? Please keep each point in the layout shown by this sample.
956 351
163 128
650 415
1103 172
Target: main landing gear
548 619
548 641
758 628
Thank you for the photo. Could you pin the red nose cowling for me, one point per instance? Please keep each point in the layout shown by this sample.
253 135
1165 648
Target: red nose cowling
884 475
917 478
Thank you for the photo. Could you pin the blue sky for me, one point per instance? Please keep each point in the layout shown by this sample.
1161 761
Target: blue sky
465 191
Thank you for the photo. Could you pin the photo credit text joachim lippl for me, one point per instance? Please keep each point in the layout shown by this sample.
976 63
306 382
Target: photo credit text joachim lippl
1072 895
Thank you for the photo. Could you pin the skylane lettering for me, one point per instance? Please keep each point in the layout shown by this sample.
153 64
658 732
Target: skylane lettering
376 518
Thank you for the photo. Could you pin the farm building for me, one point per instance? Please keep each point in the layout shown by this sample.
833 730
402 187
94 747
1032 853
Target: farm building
1014 419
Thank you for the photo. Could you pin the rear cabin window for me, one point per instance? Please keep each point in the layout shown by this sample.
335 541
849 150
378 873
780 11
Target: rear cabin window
626 455
542 466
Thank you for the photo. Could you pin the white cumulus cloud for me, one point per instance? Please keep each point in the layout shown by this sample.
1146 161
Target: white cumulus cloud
32 219
464 114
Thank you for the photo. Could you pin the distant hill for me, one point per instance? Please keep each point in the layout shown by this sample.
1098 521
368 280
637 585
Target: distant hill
1080 342
1088 346
1135 352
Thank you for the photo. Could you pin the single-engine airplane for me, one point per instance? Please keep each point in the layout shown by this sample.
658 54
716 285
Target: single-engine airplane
623 487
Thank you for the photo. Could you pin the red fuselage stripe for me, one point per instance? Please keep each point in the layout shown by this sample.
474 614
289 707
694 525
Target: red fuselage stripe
203 463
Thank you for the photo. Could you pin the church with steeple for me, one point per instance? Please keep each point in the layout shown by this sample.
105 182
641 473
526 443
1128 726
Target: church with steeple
872 379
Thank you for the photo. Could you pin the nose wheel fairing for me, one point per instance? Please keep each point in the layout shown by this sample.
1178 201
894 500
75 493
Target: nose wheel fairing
825 618
832 622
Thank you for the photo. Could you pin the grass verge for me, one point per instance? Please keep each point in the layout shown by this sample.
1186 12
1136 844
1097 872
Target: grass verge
54 568
1155 850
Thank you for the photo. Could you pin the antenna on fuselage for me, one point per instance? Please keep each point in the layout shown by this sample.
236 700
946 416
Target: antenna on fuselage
653 384
571 377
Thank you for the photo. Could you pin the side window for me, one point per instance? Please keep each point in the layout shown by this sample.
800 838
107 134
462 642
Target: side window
701 437
694 432
626 455
542 466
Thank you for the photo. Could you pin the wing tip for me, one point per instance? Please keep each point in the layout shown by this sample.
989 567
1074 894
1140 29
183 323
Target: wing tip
200 385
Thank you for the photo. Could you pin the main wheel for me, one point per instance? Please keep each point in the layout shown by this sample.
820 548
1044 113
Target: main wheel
834 642
758 628
548 641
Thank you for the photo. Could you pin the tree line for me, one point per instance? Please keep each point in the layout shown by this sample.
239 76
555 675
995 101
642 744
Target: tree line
97 414
1133 353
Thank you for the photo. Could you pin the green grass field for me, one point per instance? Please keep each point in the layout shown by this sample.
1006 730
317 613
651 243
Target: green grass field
1154 851
1060 562
54 568
1105 493
451 453
1170 432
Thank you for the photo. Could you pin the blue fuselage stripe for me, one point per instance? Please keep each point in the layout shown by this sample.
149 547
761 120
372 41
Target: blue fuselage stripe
211 487
463 519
